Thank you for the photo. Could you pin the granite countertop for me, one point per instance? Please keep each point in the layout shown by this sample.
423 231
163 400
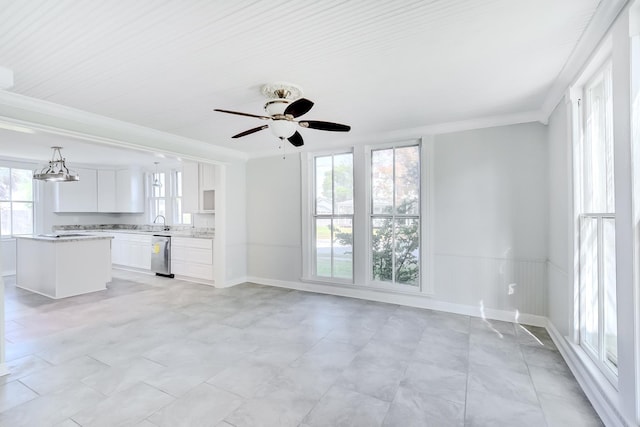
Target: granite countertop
56 238
159 233
174 231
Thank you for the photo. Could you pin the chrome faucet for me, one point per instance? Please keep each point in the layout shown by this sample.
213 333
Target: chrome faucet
164 222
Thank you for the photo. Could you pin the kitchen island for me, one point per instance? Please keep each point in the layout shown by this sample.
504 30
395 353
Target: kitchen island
60 266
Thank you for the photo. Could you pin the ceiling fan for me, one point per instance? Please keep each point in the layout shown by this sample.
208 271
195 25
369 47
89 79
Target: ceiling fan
284 106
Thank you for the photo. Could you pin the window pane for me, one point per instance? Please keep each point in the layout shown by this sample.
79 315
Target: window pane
381 249
589 280
5 184
22 181
324 182
323 247
5 219
158 191
161 208
22 218
177 211
178 184
343 184
382 181
343 248
609 277
407 251
407 180
598 186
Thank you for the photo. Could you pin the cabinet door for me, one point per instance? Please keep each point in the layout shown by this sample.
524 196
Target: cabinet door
106 191
117 255
207 177
130 191
190 187
77 196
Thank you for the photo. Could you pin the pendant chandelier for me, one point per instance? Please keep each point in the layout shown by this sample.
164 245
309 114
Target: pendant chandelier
57 170
156 178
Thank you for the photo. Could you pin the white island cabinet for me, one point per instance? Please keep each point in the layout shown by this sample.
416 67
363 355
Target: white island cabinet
60 267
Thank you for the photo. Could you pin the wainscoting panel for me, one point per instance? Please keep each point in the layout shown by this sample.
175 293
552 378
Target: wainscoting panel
508 284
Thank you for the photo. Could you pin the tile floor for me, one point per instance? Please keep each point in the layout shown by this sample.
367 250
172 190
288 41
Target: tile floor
152 351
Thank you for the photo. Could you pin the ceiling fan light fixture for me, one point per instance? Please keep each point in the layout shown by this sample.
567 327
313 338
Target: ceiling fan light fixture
276 106
284 107
56 170
283 129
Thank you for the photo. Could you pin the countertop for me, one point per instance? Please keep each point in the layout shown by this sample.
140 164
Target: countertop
105 232
58 238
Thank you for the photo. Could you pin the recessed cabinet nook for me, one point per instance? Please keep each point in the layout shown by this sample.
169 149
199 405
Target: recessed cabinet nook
198 187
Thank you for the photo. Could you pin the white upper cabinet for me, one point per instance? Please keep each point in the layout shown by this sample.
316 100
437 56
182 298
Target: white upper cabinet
130 191
198 187
116 191
106 191
77 196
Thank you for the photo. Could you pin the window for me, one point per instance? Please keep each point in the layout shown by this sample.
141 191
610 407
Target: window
179 217
595 209
166 199
157 199
333 216
395 215
16 201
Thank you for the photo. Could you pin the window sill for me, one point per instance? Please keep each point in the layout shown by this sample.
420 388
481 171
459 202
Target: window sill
607 385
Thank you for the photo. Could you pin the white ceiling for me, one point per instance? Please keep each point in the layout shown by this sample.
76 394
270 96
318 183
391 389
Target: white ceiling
379 66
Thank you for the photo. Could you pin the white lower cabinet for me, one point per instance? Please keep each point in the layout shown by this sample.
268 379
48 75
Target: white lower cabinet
131 250
192 257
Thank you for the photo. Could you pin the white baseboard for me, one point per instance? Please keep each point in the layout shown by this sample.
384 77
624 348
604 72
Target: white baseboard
596 387
233 282
420 301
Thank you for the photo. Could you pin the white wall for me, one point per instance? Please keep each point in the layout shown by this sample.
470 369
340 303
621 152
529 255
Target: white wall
560 286
273 218
617 405
490 213
235 223
490 218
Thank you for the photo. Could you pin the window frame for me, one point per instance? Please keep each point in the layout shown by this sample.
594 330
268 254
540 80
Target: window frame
596 73
11 202
177 215
361 194
422 262
313 216
152 200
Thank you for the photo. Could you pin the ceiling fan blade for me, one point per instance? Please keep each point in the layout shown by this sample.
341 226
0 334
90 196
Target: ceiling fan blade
250 131
315 124
243 114
296 139
298 108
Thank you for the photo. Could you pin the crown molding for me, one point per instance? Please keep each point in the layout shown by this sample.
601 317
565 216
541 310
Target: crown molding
602 20
50 117
416 132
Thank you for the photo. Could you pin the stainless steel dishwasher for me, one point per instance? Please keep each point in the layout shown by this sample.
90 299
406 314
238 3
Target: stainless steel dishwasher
161 255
